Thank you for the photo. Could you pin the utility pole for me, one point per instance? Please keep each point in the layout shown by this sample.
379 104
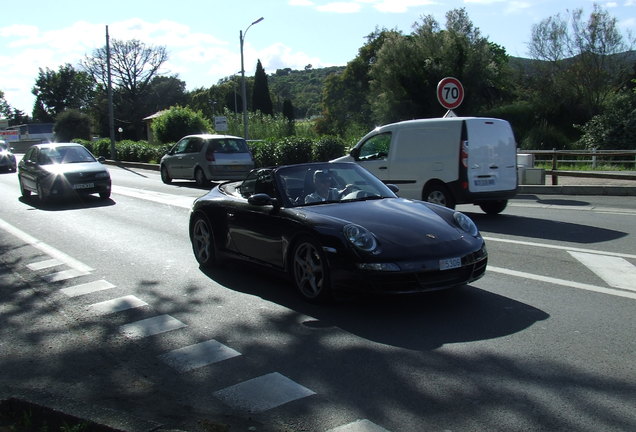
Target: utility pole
111 116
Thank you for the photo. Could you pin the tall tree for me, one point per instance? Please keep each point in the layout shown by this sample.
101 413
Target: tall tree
133 67
345 97
261 99
57 91
582 67
405 74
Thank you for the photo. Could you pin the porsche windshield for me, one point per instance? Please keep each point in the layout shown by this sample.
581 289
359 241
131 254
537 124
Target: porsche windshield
329 182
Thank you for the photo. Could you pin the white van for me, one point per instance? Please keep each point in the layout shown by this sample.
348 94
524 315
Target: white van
448 161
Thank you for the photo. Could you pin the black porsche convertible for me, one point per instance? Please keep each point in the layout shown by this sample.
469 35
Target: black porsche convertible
335 226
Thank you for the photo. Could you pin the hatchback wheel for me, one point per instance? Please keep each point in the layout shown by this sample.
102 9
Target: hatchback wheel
165 176
202 239
310 271
199 177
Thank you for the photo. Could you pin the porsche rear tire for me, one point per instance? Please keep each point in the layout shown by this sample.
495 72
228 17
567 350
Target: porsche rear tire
310 271
202 238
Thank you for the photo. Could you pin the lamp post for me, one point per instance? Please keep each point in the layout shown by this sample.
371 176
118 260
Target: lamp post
243 90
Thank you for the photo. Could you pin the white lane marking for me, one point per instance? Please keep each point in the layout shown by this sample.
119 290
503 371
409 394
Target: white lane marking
359 426
87 288
159 197
263 393
48 250
565 248
44 264
616 271
562 282
117 305
151 326
198 355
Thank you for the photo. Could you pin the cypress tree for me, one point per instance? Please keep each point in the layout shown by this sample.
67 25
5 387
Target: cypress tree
261 100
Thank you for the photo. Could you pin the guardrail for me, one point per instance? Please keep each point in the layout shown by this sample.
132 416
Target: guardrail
551 157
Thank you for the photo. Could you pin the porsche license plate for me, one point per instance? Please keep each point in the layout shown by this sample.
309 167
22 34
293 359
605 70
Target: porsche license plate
83 185
450 263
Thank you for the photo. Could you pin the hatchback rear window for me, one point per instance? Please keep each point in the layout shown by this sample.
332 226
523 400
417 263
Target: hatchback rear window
229 146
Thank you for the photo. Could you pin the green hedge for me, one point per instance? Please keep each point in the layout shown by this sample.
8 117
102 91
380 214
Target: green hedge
284 151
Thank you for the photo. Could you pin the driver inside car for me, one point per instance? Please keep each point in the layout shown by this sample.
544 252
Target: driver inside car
323 190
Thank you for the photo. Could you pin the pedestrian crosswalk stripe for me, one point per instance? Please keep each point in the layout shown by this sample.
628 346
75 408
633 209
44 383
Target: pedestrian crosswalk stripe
117 305
263 393
198 355
87 288
359 426
44 264
63 275
151 326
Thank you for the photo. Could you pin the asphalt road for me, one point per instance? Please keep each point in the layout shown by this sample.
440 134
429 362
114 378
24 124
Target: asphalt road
103 310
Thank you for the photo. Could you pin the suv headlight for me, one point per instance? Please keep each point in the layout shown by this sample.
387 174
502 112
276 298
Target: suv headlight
466 223
361 238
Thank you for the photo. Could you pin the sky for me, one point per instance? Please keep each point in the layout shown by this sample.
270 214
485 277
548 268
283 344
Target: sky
203 42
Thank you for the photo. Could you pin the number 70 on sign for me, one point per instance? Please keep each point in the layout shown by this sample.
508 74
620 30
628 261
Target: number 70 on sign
450 93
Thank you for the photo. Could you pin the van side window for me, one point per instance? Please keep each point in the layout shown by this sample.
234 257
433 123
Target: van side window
376 147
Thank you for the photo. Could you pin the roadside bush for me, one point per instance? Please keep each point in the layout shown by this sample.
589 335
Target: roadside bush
327 148
178 122
293 150
264 153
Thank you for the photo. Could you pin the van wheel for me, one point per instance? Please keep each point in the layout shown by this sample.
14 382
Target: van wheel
199 177
493 207
438 194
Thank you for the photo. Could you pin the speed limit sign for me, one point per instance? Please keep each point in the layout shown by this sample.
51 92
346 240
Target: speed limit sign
450 93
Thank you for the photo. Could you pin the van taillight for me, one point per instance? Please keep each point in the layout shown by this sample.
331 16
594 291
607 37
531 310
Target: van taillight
464 154
209 156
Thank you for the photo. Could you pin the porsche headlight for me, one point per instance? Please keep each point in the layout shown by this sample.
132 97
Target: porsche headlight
360 237
466 223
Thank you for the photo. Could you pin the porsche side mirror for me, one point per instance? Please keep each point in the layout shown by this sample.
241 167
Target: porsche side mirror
393 188
262 199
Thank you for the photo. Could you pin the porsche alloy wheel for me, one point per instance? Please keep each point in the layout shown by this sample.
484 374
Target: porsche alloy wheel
310 271
203 242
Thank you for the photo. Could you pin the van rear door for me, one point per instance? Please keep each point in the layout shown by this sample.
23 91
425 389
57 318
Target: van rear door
491 155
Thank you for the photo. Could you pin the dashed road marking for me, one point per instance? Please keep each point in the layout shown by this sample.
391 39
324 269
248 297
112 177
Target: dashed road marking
87 288
117 305
263 393
616 271
151 326
198 355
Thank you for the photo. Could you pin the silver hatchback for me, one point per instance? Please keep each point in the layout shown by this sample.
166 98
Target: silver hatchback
207 157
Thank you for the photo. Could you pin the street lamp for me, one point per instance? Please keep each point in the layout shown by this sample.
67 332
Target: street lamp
243 90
